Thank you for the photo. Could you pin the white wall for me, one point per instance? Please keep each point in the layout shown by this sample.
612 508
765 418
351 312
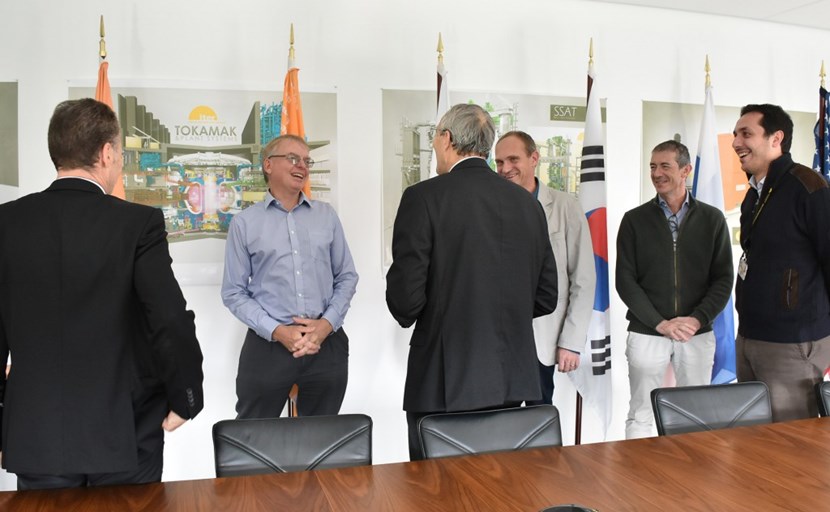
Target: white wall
359 47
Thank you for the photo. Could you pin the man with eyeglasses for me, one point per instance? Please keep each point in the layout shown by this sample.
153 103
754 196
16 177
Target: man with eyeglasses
472 267
289 276
674 272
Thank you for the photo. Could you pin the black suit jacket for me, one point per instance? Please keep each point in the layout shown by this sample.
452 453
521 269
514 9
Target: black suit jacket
472 267
93 318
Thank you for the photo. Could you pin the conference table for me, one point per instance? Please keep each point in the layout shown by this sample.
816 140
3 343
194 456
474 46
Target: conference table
781 466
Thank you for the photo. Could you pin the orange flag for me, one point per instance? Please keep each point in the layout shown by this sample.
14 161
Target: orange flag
291 122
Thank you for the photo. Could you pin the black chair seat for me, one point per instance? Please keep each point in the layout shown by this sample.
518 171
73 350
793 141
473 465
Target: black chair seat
281 445
698 408
465 433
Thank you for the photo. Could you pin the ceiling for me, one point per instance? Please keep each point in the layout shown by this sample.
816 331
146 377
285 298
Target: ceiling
807 13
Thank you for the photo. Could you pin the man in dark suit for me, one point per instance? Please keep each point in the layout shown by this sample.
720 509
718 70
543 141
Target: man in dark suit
472 266
104 353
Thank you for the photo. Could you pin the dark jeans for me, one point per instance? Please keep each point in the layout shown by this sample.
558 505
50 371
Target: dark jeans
546 374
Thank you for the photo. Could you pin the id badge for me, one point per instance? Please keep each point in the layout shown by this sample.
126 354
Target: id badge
743 266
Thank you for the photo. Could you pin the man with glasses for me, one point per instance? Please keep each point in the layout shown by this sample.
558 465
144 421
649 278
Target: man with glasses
289 276
472 267
674 272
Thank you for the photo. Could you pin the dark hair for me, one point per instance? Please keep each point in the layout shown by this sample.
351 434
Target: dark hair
773 118
529 143
77 132
681 152
273 145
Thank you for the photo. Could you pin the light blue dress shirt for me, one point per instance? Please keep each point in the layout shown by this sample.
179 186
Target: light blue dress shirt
280 264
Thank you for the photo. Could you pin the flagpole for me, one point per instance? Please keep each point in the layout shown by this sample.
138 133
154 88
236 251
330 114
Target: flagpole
440 50
578 421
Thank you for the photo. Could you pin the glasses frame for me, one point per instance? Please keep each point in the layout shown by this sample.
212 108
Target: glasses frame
294 159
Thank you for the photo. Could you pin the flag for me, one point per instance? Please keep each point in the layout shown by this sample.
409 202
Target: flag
103 93
821 160
593 377
708 188
291 121
442 103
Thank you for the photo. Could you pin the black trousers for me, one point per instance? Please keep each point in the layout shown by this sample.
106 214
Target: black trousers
546 374
150 408
267 371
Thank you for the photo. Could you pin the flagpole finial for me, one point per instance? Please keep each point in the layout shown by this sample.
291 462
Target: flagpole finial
291 45
821 73
591 52
706 68
440 49
102 45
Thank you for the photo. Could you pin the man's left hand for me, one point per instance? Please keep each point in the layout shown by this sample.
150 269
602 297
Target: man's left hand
568 360
315 332
172 422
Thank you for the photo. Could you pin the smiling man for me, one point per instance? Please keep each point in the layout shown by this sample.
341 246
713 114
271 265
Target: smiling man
561 335
784 273
289 276
674 272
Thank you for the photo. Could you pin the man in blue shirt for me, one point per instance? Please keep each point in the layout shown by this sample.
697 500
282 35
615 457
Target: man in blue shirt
289 276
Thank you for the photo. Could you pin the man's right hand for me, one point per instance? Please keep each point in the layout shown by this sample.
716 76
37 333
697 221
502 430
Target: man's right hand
291 337
676 329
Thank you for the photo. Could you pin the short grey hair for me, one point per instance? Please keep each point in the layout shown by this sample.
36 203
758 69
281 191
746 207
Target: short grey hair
471 128
681 152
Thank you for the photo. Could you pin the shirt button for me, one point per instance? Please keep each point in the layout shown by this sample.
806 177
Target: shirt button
298 272
299 295
295 251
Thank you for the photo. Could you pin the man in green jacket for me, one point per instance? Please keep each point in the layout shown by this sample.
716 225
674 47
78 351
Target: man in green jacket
674 272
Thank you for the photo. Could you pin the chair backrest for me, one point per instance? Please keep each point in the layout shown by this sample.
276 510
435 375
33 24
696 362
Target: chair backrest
465 433
697 408
281 445
823 397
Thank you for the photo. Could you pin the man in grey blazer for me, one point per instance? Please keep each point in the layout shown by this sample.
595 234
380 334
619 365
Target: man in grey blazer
104 352
561 335
472 268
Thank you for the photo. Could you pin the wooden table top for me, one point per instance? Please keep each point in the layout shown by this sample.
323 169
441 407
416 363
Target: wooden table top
783 466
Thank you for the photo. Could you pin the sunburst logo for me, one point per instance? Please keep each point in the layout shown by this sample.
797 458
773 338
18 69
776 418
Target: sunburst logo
202 113
203 126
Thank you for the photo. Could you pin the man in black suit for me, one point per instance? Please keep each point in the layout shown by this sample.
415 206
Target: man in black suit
104 353
472 266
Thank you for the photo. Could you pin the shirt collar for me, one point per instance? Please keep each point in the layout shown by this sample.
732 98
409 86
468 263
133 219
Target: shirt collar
465 158
270 199
662 202
82 178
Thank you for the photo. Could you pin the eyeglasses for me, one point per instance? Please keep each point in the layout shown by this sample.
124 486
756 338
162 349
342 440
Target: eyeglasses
295 159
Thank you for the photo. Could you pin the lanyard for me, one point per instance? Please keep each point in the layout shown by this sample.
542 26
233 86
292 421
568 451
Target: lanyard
761 208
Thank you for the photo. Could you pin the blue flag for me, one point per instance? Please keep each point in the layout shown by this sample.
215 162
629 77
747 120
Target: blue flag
708 188
821 160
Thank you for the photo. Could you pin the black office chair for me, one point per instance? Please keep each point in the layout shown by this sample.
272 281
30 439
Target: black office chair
465 433
698 408
282 445
823 397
